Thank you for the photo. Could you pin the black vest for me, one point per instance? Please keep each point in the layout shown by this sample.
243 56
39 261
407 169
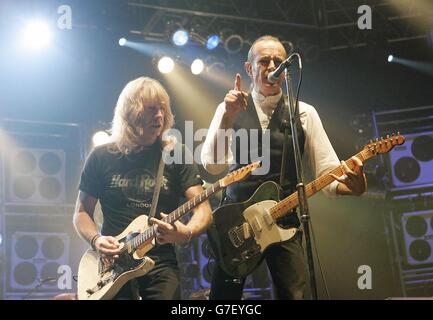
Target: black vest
249 120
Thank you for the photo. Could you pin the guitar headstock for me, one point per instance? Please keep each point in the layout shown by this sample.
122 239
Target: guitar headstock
384 145
239 174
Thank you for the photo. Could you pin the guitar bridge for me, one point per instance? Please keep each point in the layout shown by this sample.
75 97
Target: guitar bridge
99 285
239 234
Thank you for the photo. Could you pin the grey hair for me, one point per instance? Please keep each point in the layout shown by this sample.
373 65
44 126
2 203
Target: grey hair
260 39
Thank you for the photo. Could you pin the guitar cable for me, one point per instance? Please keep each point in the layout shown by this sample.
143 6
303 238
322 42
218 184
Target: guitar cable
316 251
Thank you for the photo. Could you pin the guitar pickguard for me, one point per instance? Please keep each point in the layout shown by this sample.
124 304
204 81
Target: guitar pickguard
232 237
266 231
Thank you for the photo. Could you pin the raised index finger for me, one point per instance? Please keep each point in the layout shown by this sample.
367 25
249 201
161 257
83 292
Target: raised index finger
238 82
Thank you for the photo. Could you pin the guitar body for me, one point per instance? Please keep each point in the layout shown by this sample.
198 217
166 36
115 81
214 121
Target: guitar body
95 283
241 232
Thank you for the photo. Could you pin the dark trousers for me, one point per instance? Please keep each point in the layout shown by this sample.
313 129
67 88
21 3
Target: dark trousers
287 267
160 283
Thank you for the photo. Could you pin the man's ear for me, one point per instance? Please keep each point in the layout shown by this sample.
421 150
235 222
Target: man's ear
247 66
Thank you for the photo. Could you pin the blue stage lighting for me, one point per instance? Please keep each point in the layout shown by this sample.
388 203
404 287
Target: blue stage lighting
212 42
180 37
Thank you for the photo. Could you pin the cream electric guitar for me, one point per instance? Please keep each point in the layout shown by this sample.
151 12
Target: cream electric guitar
99 280
241 232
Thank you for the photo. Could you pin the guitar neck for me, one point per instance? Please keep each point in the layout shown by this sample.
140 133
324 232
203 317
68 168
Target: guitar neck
187 206
292 201
175 215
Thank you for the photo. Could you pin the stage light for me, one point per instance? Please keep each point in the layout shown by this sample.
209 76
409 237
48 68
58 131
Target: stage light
180 37
100 138
390 58
234 43
165 65
122 42
212 42
197 66
36 35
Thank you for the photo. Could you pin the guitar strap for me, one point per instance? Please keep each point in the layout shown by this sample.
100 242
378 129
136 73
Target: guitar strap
157 187
133 282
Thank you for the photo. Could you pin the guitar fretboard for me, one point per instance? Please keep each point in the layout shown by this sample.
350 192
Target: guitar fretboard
150 232
292 201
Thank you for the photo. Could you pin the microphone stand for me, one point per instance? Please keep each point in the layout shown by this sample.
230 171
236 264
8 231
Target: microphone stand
303 205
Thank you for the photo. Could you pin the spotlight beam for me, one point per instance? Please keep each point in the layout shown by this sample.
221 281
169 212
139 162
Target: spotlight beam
424 67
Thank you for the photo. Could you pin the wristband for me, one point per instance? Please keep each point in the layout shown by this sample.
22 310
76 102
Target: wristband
92 242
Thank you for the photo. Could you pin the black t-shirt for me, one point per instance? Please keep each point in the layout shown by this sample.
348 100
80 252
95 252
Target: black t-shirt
124 185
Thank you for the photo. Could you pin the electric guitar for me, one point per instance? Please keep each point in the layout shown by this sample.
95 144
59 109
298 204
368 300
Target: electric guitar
101 280
241 232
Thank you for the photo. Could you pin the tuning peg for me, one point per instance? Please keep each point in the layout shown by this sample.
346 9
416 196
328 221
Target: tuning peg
393 134
387 136
377 139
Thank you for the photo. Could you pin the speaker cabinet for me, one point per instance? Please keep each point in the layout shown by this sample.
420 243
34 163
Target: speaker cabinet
418 237
35 176
206 261
412 162
36 245
36 258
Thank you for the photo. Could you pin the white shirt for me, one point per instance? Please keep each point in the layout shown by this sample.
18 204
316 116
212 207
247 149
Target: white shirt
265 106
321 155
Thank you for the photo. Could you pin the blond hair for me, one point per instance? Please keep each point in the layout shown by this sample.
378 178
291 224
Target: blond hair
129 110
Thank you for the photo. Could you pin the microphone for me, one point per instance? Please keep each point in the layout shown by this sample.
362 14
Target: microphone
274 76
